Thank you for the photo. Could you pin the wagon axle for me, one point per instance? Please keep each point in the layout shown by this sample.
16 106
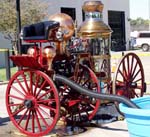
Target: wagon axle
133 85
28 103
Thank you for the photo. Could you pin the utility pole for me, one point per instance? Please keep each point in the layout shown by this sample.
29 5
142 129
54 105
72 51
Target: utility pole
18 26
149 13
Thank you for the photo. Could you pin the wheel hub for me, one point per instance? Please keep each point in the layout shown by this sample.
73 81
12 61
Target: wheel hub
134 85
28 103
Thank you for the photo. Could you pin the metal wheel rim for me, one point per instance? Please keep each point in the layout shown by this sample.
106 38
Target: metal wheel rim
77 117
130 63
34 119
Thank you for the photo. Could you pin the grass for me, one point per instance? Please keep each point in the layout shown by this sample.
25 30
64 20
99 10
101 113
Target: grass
3 73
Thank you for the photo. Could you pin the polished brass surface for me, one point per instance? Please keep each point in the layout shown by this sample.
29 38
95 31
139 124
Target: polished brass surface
49 53
33 51
91 6
94 28
60 48
66 24
100 59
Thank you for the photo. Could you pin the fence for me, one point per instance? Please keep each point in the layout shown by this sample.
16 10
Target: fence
6 61
6 53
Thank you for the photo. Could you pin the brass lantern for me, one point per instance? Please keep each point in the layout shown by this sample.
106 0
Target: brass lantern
98 35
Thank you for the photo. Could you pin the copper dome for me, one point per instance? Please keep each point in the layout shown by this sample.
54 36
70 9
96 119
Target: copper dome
66 24
91 6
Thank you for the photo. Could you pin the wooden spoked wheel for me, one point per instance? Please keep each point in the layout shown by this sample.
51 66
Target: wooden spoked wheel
80 107
32 102
129 77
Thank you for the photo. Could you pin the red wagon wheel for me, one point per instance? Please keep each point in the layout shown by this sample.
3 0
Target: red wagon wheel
81 107
32 102
129 77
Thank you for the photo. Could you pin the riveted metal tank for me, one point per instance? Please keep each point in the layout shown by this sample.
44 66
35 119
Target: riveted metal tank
98 35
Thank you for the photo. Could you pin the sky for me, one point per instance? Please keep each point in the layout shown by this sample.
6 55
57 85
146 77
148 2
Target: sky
140 8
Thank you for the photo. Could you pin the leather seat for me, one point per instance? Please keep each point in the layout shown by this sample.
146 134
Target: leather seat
39 32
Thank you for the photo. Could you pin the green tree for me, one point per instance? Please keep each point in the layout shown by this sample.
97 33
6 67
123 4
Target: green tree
139 24
139 21
31 11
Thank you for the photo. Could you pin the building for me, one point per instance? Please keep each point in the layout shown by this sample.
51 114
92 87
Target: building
115 14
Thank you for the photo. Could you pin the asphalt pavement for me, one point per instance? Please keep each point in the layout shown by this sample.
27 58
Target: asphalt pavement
110 127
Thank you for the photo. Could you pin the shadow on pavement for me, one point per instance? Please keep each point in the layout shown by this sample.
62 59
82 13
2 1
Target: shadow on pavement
113 129
4 121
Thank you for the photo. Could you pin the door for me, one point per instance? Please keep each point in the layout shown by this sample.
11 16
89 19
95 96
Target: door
116 20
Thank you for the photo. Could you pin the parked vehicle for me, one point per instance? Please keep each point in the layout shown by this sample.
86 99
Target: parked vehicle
143 40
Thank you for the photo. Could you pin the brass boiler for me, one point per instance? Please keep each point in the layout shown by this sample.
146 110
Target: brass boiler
98 34
67 27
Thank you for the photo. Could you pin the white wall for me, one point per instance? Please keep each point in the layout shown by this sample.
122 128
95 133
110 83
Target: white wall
118 5
115 5
54 7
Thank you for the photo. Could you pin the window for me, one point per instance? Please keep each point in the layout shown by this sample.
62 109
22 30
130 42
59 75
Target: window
70 11
144 35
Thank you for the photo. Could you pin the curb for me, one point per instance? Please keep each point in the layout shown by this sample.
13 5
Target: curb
3 82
